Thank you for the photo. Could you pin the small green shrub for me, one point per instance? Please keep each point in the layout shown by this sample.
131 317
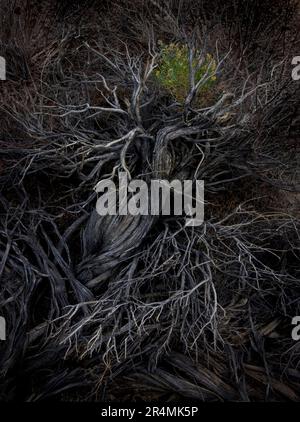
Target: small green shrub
173 71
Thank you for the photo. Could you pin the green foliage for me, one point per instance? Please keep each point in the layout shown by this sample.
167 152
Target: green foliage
173 71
